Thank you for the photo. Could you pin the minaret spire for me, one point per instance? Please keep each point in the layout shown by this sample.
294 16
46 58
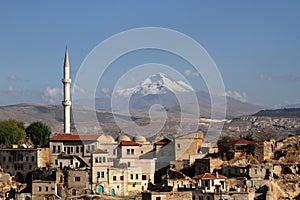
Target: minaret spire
67 99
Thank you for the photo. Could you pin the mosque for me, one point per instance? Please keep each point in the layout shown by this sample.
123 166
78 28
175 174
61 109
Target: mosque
116 166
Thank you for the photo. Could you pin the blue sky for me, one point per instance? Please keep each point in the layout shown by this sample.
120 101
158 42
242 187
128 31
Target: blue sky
255 44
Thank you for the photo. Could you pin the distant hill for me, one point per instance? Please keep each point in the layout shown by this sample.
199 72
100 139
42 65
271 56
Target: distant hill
50 114
285 112
281 121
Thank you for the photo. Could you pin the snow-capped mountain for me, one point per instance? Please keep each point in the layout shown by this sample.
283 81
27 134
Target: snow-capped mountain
169 93
155 85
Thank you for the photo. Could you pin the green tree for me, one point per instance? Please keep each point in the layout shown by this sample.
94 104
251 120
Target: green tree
39 133
11 132
222 146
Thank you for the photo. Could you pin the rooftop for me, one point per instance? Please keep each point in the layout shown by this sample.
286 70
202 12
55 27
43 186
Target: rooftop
242 142
209 176
74 137
164 141
129 143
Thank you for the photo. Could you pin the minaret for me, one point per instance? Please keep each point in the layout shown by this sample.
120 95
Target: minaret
67 100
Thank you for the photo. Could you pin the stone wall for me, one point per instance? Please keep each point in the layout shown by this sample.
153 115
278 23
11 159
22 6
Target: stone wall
167 195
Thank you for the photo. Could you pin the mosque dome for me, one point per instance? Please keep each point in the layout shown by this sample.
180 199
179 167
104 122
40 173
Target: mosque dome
123 138
139 139
109 138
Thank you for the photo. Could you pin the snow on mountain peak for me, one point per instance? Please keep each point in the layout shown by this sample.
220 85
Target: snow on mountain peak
156 84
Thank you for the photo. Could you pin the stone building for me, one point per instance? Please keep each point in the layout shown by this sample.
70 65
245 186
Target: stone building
80 145
264 150
186 149
20 161
211 183
77 182
44 184
129 172
186 146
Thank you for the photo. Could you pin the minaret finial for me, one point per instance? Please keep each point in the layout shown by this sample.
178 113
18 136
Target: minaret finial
67 99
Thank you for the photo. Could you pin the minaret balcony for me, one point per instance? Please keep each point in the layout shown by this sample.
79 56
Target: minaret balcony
67 103
66 80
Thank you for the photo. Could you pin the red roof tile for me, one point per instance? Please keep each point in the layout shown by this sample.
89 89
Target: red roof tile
209 176
164 141
242 142
128 143
74 137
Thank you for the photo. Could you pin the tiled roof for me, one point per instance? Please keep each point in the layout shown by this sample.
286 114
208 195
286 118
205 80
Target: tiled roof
242 142
100 151
74 137
163 142
128 143
209 176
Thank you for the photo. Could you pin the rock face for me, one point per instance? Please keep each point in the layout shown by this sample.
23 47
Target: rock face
7 185
286 169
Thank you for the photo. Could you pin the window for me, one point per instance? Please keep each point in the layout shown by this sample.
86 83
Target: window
128 151
98 174
76 165
114 152
133 185
56 162
100 159
142 152
40 188
114 178
144 177
27 158
9 159
128 164
121 178
4 158
77 179
46 188
30 167
93 147
77 149
255 171
81 149
58 149
132 151
157 198
131 176
102 174
178 147
206 183
53 149
104 160
32 158
71 162
96 160
136 176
